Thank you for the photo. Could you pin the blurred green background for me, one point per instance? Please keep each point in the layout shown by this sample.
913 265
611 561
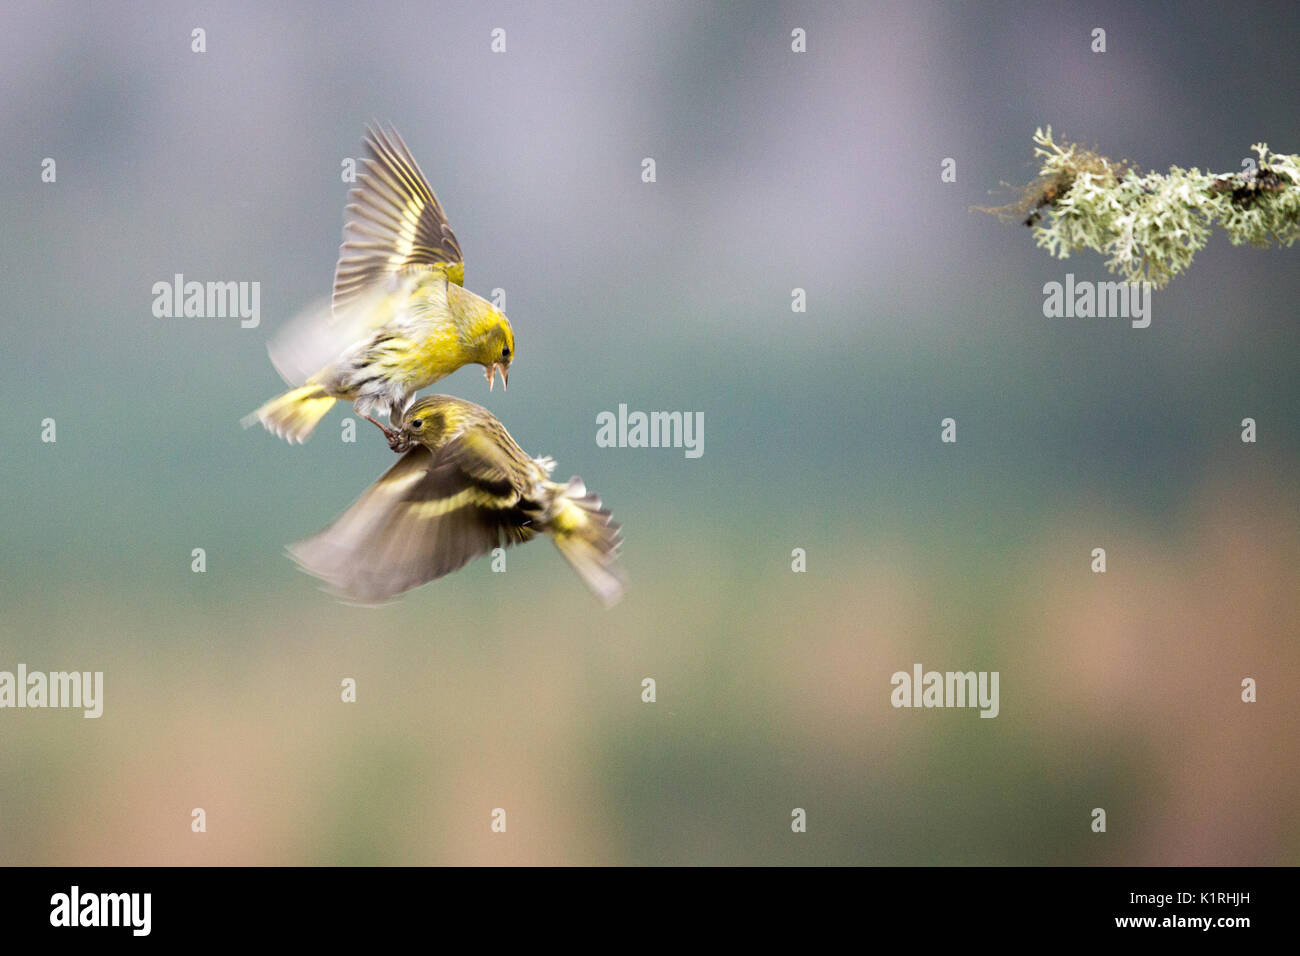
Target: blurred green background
775 170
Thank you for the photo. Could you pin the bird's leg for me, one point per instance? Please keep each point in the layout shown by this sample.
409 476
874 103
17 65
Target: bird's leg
394 438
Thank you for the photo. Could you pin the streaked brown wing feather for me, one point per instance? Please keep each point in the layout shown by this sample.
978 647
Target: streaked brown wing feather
484 451
424 518
394 221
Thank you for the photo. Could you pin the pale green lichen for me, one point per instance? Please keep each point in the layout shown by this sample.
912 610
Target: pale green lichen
1149 226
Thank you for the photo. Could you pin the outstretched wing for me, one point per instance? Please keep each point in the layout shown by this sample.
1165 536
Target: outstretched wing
393 221
425 517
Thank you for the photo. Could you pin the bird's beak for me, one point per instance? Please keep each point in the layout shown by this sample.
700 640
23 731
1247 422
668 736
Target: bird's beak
490 373
400 442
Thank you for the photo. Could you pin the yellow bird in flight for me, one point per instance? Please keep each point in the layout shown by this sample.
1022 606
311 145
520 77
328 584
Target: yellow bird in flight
400 318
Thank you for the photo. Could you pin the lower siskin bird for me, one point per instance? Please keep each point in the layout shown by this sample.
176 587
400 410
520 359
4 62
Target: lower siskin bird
400 318
462 488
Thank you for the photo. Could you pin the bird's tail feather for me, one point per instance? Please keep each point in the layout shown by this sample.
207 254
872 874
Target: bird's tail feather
589 540
294 414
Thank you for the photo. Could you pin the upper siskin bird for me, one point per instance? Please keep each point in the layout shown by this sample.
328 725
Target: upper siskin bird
400 318
462 488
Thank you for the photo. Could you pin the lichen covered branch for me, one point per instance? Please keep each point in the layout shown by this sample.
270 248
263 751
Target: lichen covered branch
1149 226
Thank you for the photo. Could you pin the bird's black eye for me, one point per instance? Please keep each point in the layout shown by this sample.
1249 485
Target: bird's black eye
505 352
417 422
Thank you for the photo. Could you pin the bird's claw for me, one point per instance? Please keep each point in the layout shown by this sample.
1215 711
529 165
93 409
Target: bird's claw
396 441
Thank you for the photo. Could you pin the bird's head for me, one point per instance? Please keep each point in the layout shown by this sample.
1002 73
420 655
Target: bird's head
495 347
423 423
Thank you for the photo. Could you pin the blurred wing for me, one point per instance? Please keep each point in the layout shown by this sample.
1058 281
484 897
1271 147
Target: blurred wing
425 517
316 338
393 221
